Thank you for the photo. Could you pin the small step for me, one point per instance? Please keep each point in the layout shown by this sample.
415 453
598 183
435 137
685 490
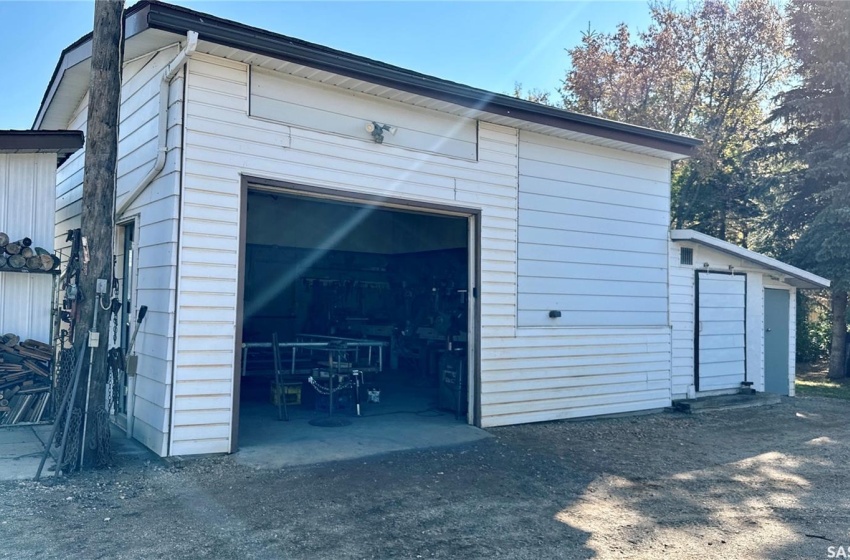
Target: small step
724 402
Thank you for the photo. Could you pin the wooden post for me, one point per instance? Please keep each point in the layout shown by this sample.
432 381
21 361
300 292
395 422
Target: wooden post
98 210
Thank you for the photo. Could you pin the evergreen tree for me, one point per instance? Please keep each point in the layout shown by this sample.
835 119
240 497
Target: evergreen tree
815 147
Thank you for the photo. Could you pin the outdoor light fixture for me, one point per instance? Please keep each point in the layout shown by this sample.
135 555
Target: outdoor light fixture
377 129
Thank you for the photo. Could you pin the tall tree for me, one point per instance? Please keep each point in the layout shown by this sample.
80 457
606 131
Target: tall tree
708 69
98 210
815 145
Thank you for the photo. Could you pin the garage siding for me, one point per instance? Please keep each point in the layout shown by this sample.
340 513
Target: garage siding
222 142
156 227
592 235
26 181
591 244
527 375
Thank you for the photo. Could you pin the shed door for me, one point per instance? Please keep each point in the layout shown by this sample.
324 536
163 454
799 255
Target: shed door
776 304
721 312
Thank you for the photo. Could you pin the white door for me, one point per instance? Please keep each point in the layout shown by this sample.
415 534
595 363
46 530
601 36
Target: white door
721 326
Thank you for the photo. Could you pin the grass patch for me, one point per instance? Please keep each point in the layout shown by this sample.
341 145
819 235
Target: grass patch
823 387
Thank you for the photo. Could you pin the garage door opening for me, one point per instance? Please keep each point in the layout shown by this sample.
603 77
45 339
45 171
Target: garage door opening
371 308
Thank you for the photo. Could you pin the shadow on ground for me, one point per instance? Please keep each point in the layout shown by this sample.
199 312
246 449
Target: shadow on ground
738 484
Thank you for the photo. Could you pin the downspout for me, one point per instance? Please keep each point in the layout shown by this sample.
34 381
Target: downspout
162 150
162 136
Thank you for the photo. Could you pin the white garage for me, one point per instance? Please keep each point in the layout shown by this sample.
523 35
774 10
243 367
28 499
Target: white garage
733 317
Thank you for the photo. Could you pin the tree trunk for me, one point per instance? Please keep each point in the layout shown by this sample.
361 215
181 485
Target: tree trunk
98 212
839 335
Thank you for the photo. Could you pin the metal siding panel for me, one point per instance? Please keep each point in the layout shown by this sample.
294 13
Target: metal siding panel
27 183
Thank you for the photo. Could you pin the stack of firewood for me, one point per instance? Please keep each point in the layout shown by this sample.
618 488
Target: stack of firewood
24 379
21 255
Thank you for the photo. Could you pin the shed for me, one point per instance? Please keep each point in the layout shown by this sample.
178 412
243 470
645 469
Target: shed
733 317
505 260
28 161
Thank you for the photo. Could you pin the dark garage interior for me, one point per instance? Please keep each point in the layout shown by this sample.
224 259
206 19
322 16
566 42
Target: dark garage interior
368 303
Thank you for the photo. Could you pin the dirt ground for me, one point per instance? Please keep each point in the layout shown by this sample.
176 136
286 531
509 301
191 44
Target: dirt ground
766 482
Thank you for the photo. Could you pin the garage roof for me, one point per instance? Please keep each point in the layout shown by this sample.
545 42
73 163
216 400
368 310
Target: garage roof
63 143
150 25
792 275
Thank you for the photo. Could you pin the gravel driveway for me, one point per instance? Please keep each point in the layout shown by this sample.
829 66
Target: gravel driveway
766 482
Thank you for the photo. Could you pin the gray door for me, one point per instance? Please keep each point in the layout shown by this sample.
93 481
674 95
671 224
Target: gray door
776 306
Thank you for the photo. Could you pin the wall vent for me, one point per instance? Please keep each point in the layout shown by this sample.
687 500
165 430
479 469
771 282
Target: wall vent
686 255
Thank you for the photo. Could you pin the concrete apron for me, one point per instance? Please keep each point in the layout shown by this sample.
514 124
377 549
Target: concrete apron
21 449
277 444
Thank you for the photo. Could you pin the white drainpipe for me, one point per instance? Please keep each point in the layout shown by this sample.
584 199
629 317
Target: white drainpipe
161 151
162 145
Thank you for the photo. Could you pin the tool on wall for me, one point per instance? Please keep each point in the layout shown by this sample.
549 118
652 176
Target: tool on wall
132 362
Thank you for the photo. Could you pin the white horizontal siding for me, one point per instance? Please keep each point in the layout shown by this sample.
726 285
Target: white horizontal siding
592 235
529 374
26 210
222 142
549 374
155 214
299 102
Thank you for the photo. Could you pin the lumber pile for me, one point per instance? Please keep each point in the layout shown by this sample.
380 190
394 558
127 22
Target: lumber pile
22 256
25 379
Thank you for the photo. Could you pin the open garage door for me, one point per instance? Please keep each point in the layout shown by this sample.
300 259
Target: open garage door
371 306
720 331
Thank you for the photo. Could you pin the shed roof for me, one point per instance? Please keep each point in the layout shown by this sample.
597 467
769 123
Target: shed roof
792 275
63 143
162 23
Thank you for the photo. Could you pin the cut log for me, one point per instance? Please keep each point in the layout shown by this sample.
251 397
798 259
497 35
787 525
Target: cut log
46 262
27 252
3 260
11 339
12 248
25 242
56 262
41 251
4 239
33 263
16 261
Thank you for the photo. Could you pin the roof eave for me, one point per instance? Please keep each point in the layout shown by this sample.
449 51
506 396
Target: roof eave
232 34
178 20
63 143
135 21
802 278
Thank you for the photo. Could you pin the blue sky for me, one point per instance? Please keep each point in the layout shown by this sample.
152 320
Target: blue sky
489 45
